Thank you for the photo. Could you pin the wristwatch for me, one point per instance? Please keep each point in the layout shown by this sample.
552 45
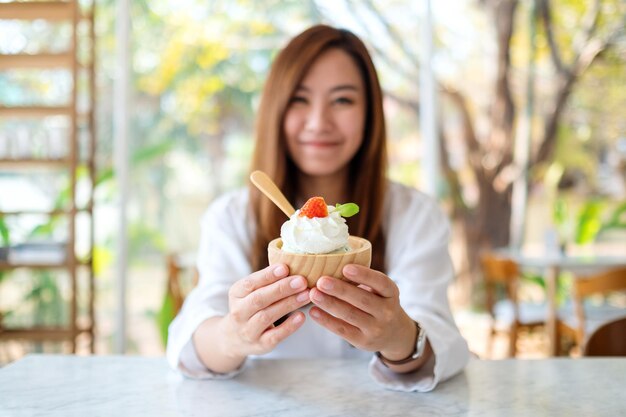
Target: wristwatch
418 351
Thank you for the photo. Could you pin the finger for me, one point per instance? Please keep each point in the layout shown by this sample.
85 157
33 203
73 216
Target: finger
357 296
270 294
376 280
342 329
266 317
259 279
271 337
341 309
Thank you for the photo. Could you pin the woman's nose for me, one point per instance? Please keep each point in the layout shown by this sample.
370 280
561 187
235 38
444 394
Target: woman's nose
318 118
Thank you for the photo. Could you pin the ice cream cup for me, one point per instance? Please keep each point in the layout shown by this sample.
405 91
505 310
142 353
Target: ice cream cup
312 267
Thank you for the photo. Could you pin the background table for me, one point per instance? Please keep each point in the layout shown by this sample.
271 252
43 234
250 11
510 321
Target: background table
550 266
133 386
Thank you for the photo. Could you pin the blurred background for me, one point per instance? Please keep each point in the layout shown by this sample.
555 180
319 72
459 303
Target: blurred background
530 108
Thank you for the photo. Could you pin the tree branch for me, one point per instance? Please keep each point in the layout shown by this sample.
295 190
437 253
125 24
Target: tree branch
503 110
475 152
590 25
593 48
544 10
596 46
459 205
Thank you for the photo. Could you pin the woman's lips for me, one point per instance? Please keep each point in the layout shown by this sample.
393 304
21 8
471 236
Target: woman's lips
319 144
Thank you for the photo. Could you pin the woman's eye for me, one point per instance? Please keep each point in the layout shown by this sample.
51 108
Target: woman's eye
297 99
344 100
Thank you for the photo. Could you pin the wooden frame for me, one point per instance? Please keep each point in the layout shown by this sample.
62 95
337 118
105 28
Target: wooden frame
58 11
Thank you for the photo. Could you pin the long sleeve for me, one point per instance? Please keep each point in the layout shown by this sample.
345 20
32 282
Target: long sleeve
222 260
419 262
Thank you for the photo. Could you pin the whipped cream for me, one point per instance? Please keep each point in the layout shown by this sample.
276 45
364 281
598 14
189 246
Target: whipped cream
317 235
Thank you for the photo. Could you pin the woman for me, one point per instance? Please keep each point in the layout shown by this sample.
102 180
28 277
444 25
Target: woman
321 131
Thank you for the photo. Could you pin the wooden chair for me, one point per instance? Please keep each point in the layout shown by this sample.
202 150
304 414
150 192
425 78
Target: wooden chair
507 314
584 318
608 340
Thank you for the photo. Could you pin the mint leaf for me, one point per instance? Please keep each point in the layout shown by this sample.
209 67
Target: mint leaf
347 210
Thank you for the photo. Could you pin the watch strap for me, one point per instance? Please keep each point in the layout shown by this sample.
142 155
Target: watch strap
418 350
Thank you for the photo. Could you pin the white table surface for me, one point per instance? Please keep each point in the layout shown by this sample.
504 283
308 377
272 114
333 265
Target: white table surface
49 385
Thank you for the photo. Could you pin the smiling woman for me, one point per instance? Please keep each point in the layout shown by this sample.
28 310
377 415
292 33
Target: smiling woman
321 132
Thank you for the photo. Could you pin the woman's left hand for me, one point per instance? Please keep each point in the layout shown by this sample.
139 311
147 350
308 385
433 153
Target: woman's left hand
368 316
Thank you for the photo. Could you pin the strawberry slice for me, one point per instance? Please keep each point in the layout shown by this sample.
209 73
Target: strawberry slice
314 207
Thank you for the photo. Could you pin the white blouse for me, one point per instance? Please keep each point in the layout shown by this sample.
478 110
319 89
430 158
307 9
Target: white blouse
417 259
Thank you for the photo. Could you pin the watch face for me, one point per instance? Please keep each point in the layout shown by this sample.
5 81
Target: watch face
420 344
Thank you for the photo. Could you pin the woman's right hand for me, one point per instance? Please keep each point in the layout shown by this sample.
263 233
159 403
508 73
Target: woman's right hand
255 303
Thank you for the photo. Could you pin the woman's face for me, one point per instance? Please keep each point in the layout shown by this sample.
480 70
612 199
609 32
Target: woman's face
325 119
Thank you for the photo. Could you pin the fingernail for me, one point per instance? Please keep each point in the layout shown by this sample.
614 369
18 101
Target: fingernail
349 270
280 270
297 318
317 296
303 296
326 284
296 283
314 313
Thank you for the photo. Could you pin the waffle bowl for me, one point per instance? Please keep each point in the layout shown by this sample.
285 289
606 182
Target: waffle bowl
312 267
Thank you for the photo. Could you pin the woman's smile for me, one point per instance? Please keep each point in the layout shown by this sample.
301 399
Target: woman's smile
319 144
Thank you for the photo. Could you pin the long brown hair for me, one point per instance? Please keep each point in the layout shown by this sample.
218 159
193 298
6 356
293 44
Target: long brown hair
367 168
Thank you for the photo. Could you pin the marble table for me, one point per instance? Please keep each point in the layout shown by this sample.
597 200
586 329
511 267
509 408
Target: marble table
49 385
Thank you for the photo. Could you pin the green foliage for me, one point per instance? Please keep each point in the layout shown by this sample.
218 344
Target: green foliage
616 220
592 220
49 307
4 232
144 238
165 316
573 151
141 156
559 214
589 221
563 284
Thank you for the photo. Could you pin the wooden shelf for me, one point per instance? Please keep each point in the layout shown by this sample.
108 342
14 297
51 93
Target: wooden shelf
63 260
8 266
39 61
35 111
35 212
42 333
12 164
46 212
48 10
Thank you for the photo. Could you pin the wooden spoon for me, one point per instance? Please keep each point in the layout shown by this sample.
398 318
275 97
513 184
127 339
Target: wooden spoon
271 191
